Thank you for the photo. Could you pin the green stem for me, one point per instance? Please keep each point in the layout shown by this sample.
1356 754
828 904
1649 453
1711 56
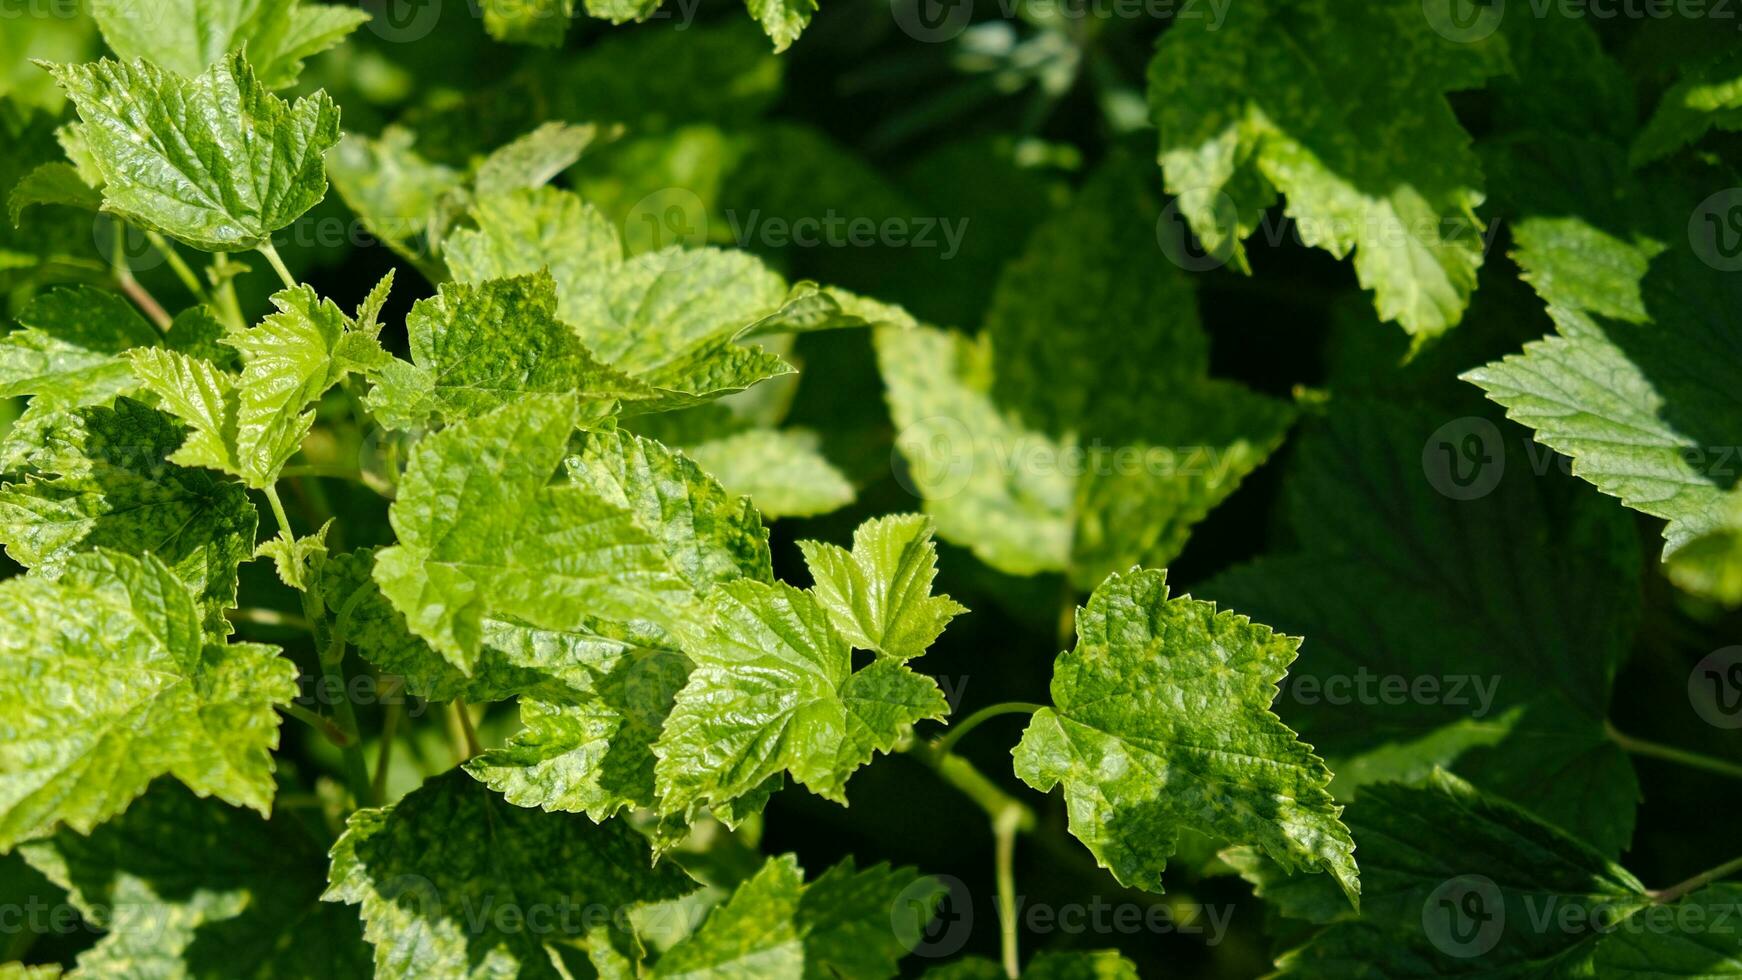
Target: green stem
1004 829
356 770
140 296
269 617
973 721
179 266
278 514
1639 746
384 753
271 253
334 471
1672 893
469 735
319 723
225 298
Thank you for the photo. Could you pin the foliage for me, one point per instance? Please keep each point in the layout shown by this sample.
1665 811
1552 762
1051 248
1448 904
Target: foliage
1189 476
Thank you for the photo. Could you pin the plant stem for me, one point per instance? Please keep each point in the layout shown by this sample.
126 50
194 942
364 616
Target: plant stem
269 617
135 292
973 721
1672 893
224 282
1639 746
277 263
179 266
320 724
463 713
1067 623
278 512
1004 830
356 770
384 753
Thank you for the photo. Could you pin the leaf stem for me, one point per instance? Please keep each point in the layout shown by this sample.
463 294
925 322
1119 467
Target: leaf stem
179 266
269 617
140 296
1640 746
278 514
468 734
1004 829
356 770
384 753
224 282
973 721
1674 892
319 723
271 253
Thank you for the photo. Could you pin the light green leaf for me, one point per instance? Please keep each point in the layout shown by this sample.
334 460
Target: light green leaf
189 36
1469 895
1257 103
773 690
216 161
187 887
879 595
755 934
1161 720
477 347
249 426
782 20
297 560
534 159
540 22
422 869
94 722
484 533
782 470
401 198
970 461
103 483
1392 573
1101 964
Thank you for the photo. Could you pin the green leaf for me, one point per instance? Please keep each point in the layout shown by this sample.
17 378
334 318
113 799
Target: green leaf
1257 103
782 20
1708 97
1500 601
774 690
534 159
250 425
425 869
68 353
52 183
782 470
189 36
959 447
216 161
1470 894
879 595
1161 720
477 347
1101 964
485 533
401 198
187 887
93 723
861 923
104 483
754 934
540 22
297 560
671 318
